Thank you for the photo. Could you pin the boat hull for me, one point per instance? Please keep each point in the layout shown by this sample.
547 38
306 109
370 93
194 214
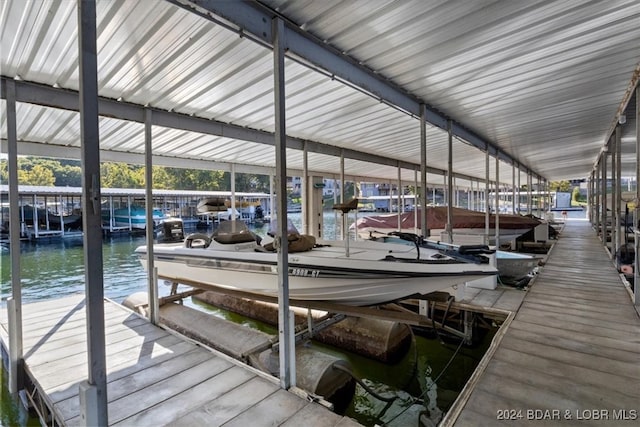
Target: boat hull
136 218
514 267
346 281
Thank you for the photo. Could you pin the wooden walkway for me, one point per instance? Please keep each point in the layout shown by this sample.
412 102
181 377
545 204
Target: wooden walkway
571 355
154 377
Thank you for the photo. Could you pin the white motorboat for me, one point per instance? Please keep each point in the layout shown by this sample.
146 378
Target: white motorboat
368 273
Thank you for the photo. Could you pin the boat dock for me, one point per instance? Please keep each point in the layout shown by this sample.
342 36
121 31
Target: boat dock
570 355
154 377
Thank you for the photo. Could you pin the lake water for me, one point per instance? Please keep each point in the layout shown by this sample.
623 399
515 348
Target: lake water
54 270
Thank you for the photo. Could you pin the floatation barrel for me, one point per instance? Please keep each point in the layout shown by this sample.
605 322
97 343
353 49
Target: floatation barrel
319 374
377 339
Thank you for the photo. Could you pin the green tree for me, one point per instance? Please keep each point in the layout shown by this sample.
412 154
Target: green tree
252 183
162 178
575 196
120 175
38 175
561 186
68 176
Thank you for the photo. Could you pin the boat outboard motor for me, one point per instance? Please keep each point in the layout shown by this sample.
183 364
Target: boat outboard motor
171 230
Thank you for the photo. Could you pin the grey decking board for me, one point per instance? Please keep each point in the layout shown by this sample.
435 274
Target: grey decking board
273 410
311 416
47 354
510 300
177 405
608 319
574 343
51 335
473 419
129 403
131 344
116 368
610 309
557 322
579 374
485 298
587 360
550 292
570 319
229 405
588 394
566 343
558 394
609 342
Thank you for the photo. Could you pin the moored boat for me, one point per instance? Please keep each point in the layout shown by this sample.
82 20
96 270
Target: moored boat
465 224
369 273
134 216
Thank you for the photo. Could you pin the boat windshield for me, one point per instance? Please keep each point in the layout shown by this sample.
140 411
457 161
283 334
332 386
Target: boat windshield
273 228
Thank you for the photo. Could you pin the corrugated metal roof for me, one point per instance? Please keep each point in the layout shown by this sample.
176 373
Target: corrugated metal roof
541 80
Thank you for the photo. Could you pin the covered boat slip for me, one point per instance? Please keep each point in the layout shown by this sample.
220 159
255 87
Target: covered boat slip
153 377
571 353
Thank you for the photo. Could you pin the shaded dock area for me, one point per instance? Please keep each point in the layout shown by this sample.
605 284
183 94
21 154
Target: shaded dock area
154 377
570 356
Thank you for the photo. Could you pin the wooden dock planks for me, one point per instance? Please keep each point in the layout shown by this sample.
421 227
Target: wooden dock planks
571 355
153 377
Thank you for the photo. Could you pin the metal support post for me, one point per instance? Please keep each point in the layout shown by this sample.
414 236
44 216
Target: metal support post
304 190
14 303
604 199
423 171
152 282
618 189
449 226
497 214
615 202
486 196
636 217
285 330
93 392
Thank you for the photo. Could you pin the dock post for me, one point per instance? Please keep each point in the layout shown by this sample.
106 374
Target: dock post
89 404
16 371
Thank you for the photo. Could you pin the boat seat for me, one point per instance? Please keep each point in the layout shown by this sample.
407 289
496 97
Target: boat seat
297 243
230 238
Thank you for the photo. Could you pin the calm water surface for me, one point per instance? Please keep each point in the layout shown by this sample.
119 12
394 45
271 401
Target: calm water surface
54 270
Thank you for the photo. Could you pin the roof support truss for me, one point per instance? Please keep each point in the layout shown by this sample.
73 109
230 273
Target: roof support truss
37 94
